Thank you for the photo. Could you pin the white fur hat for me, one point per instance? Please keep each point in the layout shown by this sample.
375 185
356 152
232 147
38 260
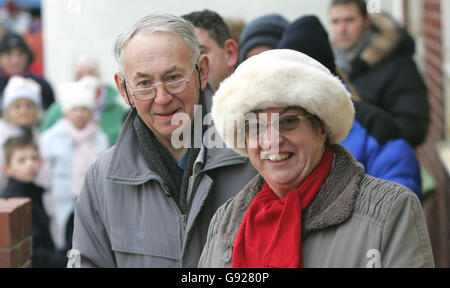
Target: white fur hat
282 78
19 87
78 94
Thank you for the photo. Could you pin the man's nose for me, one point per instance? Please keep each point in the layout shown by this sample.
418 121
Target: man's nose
342 27
162 97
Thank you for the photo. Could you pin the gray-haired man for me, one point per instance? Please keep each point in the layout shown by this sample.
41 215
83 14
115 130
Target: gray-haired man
147 202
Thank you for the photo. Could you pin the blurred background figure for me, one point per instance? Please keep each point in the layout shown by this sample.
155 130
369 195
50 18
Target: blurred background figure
261 34
14 19
21 111
215 42
22 166
374 139
15 59
377 55
71 146
108 112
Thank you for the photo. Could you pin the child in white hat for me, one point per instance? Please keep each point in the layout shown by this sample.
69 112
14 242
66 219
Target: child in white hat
71 146
21 110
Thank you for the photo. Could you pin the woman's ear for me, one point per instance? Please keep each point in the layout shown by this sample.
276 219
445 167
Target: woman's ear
203 68
323 133
121 86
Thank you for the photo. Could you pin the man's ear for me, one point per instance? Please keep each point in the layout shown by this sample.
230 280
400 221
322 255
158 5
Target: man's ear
120 84
203 68
231 49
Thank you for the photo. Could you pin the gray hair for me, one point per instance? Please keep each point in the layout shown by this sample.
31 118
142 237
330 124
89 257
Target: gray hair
159 22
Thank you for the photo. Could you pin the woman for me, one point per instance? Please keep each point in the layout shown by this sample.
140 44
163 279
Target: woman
312 205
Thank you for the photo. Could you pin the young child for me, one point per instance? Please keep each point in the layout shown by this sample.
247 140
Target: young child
21 110
22 166
71 146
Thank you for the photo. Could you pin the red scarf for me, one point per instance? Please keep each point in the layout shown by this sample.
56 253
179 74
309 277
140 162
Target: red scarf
270 233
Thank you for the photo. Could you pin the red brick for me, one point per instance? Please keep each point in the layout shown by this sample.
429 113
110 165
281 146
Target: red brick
5 258
432 20
16 256
430 64
27 264
15 220
436 39
22 252
432 6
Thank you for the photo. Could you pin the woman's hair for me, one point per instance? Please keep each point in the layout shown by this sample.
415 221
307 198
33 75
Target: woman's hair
165 23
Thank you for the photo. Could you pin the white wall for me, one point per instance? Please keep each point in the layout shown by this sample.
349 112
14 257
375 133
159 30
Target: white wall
72 27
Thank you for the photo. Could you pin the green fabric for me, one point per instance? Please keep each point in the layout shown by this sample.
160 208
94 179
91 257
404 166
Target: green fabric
111 119
428 184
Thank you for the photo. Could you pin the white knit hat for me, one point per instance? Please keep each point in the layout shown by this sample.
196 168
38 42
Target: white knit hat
283 78
19 87
78 94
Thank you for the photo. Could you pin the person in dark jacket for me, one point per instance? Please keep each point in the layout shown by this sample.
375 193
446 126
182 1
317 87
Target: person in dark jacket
376 53
215 41
374 139
261 34
15 59
22 165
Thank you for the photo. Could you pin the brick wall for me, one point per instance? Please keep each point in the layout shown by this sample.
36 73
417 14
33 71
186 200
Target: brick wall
15 233
436 208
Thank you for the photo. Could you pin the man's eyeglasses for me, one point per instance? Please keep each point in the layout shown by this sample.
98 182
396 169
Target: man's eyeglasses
177 84
255 128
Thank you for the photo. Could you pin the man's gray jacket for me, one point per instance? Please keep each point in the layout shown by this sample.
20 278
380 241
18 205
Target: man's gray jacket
125 216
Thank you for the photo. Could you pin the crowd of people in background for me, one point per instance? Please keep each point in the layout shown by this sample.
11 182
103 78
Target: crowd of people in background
51 137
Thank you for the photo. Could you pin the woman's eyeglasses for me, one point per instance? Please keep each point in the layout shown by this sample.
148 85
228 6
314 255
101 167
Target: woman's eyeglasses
255 128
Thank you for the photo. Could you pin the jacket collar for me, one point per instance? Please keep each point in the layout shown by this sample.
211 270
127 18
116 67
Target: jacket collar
127 163
332 205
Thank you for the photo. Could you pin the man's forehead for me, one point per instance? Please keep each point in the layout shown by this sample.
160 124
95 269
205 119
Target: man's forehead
160 49
157 40
344 9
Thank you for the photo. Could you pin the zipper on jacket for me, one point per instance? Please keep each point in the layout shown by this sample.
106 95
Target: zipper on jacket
183 221
230 162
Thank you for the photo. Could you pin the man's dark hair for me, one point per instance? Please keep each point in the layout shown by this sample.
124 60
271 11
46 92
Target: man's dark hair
17 143
361 4
211 22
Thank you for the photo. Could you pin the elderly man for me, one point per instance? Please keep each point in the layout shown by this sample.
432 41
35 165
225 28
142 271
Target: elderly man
377 56
215 41
148 202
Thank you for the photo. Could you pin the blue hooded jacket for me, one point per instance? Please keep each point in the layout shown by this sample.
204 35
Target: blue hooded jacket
393 160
